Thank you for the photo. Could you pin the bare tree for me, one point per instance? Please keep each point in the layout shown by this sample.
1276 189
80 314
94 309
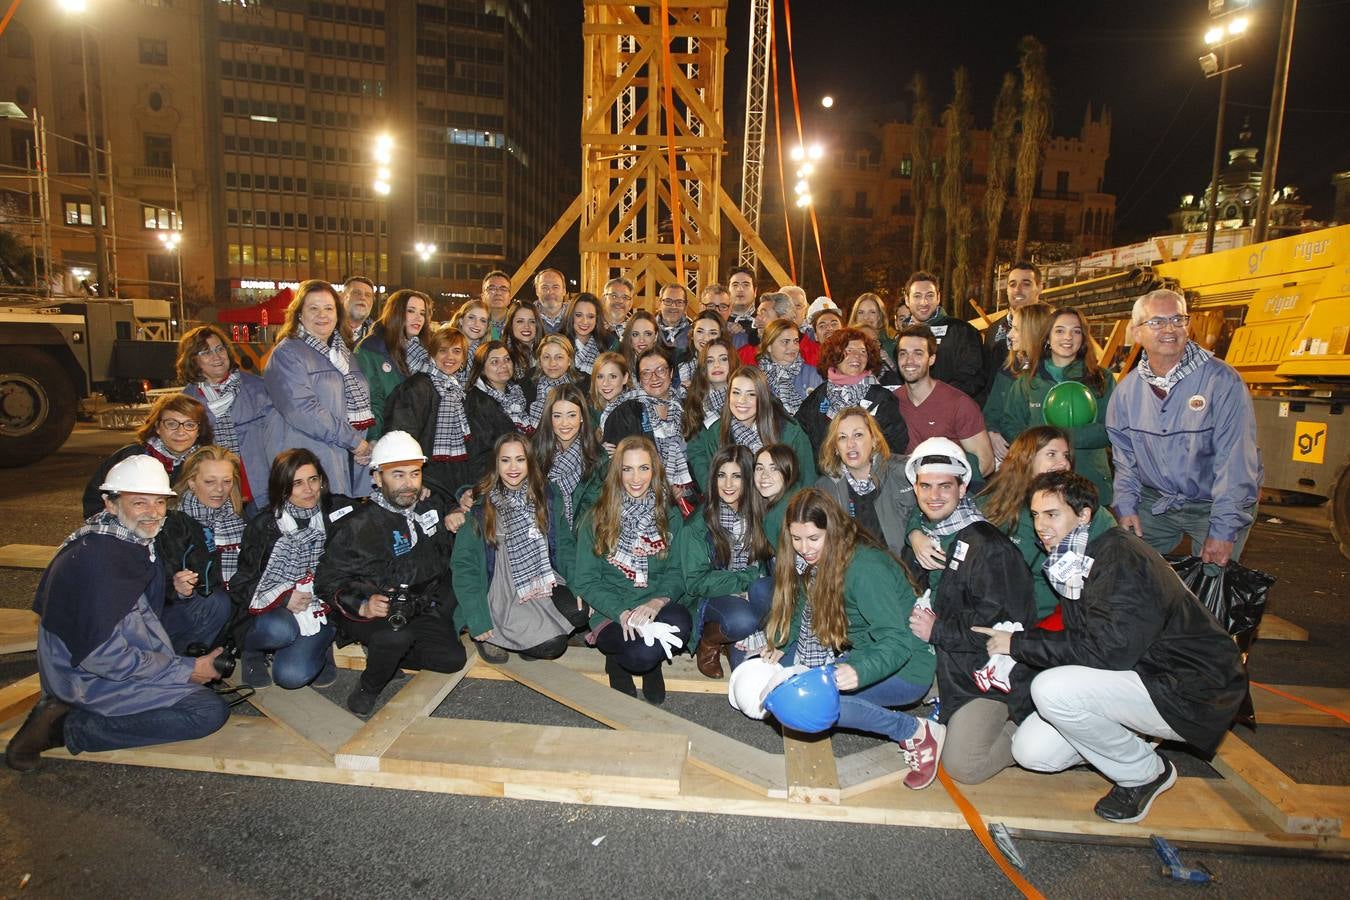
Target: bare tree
956 128
922 173
1035 128
959 291
1000 167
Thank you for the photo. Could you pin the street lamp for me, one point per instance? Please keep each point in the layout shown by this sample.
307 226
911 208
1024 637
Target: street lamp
79 7
171 241
425 251
806 157
384 158
1227 27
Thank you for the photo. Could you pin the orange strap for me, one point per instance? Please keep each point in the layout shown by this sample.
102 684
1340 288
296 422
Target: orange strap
668 78
778 133
9 14
801 142
1304 700
981 831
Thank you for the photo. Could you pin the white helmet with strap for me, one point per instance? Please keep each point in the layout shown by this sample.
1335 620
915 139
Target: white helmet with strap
940 455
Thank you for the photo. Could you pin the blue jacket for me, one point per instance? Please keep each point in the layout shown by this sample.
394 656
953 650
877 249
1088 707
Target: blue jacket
256 422
1198 445
307 391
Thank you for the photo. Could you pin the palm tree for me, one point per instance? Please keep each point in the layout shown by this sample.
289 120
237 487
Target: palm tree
1035 128
922 173
1000 167
956 128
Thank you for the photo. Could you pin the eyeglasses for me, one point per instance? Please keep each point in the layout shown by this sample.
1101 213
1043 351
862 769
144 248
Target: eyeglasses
613 296
855 351
1157 323
178 425
649 374
499 289
673 301
220 350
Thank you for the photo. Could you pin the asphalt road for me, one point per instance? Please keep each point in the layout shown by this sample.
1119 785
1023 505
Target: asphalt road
98 830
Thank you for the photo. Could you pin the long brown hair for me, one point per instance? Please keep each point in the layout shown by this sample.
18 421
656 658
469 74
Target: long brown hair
1033 328
626 345
491 481
393 320
699 384
291 325
770 419
885 328
1006 492
823 588
211 453
546 445
1092 371
750 507
523 355
608 510
480 357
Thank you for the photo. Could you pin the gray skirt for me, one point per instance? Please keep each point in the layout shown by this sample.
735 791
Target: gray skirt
516 625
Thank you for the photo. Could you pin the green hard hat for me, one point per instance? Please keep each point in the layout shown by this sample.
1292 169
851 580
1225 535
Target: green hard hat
1070 404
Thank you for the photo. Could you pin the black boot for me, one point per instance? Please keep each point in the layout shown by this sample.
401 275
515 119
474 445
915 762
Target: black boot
620 678
654 686
42 730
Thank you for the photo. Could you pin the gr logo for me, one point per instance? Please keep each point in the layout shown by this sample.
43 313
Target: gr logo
1310 442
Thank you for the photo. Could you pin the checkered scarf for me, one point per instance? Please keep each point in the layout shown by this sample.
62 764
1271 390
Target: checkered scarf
864 486
966 513
565 471
1067 566
733 523
295 554
416 356
108 523
1192 358
810 651
542 389
452 423
669 333
584 355
783 381
552 324
526 546
638 538
668 434
224 529
462 376
512 402
354 388
713 402
842 391
167 458
746 434
622 397
219 399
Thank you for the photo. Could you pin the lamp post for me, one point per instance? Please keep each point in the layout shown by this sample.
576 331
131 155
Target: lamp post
172 241
1227 28
384 157
425 251
79 7
806 158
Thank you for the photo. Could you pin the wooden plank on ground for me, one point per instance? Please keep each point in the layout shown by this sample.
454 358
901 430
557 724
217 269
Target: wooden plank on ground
1272 709
511 753
810 768
308 715
1274 628
19 697
1274 793
413 701
724 756
868 769
18 631
26 556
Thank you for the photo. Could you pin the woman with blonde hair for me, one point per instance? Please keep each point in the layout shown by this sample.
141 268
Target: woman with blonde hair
869 310
553 368
609 387
1027 327
474 319
860 473
780 358
208 491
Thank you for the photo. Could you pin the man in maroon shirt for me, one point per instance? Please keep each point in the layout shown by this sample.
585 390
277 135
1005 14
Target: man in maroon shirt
933 408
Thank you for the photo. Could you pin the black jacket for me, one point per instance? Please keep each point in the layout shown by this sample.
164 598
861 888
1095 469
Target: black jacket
884 408
995 355
370 551
960 357
1136 614
991 583
487 422
182 544
413 407
261 535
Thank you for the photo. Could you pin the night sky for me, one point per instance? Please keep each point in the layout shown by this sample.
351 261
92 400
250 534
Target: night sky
1136 56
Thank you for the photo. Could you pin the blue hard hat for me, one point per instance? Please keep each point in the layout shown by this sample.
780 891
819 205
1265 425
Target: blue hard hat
807 702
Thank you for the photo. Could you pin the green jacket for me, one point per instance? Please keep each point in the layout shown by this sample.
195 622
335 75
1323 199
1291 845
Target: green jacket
372 356
705 445
702 580
995 419
587 491
877 600
469 564
1023 409
775 515
607 590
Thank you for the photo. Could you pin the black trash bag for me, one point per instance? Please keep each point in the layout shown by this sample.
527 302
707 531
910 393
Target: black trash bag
1237 598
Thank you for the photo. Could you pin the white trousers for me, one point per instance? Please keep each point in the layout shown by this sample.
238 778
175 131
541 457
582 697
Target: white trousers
1094 716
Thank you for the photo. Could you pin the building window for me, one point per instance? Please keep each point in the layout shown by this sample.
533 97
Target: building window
1061 184
79 211
154 52
156 101
159 150
158 217
906 167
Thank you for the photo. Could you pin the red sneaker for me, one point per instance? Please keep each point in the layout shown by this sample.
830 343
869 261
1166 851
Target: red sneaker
923 752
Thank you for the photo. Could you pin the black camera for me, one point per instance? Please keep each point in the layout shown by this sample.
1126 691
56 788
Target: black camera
403 606
224 663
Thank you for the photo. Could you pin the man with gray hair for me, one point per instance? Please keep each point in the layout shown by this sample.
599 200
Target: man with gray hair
799 302
774 305
550 290
1183 437
618 304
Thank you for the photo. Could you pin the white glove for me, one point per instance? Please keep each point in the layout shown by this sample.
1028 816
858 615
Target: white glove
925 600
997 673
667 634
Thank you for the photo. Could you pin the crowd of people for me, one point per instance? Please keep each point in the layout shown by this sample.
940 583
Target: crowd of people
876 490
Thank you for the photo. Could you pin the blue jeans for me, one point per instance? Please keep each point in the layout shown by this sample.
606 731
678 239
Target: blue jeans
867 710
196 620
740 617
198 714
635 656
296 659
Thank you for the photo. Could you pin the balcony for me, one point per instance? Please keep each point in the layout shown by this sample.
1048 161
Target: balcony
152 172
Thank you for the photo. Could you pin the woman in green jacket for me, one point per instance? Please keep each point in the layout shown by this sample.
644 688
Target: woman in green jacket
393 350
511 561
1064 355
776 482
752 418
722 555
1032 320
627 573
566 450
840 599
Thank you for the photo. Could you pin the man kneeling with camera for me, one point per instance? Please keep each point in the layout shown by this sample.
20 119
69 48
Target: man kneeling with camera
387 567
110 676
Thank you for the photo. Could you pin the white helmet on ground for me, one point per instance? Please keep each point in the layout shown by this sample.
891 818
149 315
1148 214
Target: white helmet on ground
748 683
396 447
941 455
139 474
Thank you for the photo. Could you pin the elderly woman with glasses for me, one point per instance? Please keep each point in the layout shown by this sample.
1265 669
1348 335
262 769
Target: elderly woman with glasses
175 426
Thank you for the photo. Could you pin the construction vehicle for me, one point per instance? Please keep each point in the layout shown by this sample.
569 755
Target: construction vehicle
55 354
1279 313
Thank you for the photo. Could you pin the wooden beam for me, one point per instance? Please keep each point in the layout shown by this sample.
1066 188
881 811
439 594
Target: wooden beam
26 556
1114 340
1272 709
511 753
811 773
755 769
308 715
18 631
738 221
1274 628
548 242
870 769
19 697
1274 793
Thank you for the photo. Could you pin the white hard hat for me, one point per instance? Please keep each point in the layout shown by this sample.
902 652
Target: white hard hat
139 474
941 455
748 681
818 304
396 447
